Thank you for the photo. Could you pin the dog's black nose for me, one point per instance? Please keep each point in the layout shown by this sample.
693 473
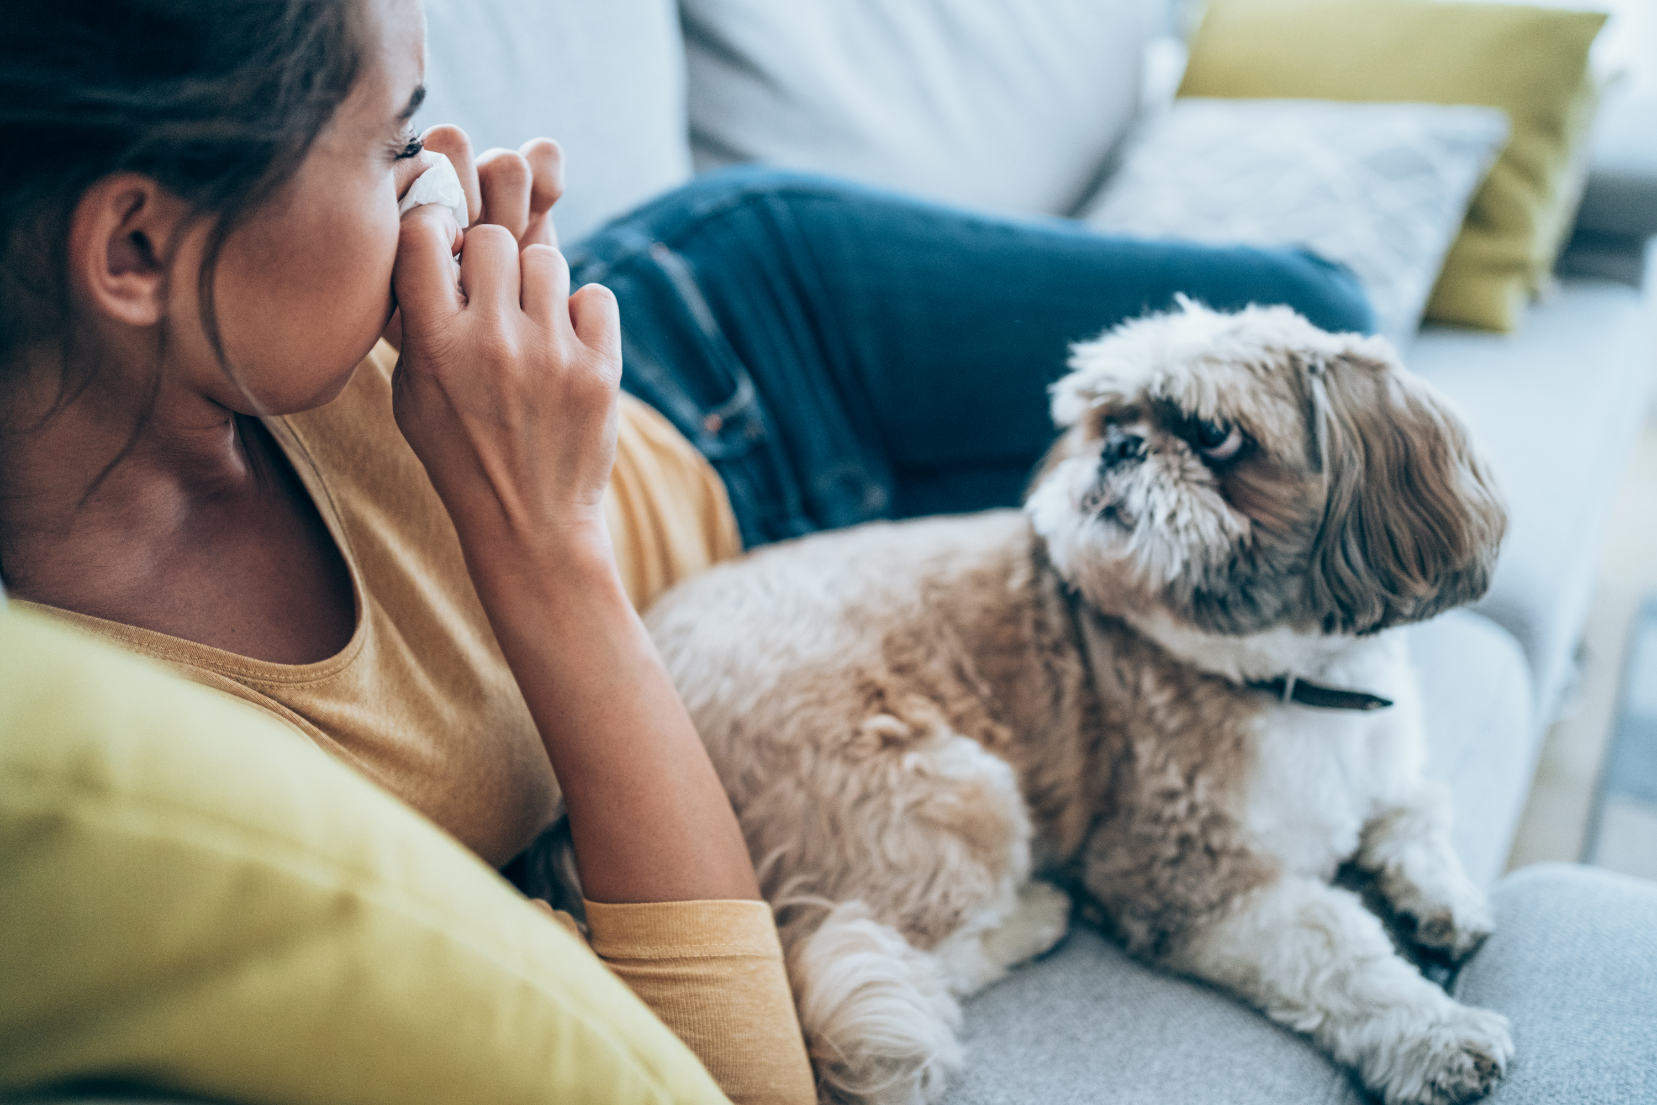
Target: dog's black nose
1120 447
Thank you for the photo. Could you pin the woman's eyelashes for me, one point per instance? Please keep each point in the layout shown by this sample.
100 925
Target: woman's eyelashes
410 145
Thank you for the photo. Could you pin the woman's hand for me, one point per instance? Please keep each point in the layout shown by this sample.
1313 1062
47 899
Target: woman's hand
507 390
515 189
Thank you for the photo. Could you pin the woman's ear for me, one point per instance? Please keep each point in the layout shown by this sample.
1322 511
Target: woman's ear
121 239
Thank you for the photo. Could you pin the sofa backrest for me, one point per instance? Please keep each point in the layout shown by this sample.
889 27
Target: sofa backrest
1011 105
604 77
1004 104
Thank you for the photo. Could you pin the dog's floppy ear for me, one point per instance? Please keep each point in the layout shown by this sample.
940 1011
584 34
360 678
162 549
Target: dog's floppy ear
1412 519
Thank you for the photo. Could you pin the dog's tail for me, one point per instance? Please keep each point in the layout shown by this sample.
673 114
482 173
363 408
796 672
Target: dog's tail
878 1017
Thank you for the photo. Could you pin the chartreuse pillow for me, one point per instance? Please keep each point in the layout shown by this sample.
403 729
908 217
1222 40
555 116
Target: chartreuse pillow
192 896
1530 62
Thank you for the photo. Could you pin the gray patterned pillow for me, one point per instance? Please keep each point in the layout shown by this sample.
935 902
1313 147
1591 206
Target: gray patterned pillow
1380 188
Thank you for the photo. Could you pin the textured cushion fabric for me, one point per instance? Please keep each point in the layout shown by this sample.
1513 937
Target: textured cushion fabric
1573 964
604 77
1556 406
1481 739
1090 1025
1380 188
1000 104
195 897
1530 62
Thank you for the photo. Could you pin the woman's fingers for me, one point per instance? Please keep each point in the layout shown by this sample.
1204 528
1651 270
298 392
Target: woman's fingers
451 141
546 286
546 166
597 319
505 180
489 270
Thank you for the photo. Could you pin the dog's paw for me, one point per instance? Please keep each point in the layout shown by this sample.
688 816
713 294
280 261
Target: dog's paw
1454 925
1040 921
1454 936
1451 918
1458 1057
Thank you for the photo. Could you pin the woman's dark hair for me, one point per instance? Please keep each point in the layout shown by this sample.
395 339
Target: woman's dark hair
217 100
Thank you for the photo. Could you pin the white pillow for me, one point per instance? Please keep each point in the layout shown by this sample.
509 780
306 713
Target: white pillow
1380 188
606 78
1001 104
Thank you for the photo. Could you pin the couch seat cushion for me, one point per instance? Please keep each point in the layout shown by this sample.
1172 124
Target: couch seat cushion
1088 1023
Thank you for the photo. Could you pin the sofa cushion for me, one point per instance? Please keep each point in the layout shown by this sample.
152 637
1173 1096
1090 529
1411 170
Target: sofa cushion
1379 188
1573 964
1530 62
605 79
1556 406
1089 1023
195 897
993 103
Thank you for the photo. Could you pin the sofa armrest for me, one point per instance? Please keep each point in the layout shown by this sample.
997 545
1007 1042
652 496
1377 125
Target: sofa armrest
1621 197
1618 216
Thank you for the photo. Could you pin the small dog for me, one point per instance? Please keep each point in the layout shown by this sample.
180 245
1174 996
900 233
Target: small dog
1172 682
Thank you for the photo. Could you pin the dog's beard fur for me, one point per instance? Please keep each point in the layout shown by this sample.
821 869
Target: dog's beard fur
905 714
1353 501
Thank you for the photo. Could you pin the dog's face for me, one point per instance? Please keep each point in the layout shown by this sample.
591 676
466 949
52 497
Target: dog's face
1248 471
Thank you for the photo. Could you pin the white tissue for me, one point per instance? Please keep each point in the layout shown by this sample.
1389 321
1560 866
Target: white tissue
440 185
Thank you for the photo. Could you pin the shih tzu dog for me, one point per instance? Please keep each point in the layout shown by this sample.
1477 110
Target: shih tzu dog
1172 683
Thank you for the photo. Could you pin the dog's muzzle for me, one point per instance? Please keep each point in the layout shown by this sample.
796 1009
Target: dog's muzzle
1120 448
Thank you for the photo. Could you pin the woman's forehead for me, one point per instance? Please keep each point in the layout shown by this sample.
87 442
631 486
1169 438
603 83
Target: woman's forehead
394 65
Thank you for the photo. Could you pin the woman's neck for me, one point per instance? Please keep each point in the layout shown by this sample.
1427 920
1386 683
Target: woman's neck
91 483
165 510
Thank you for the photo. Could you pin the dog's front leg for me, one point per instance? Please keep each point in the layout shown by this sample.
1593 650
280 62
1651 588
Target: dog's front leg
1407 847
1312 958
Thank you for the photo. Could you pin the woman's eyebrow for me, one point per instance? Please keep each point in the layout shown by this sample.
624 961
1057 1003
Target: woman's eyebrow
414 102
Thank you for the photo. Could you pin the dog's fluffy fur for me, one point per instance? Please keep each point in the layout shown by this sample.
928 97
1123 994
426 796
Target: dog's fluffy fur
913 718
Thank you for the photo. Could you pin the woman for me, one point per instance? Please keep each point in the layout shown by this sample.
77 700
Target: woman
206 457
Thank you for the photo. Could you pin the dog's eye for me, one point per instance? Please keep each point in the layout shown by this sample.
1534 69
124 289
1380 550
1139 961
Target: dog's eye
1216 440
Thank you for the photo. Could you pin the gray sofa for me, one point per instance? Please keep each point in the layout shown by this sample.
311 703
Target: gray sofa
638 91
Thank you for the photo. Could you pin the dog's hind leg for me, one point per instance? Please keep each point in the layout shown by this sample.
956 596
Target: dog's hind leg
916 842
1408 848
1314 959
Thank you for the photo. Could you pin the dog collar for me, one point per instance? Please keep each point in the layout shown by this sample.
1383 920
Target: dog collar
1308 693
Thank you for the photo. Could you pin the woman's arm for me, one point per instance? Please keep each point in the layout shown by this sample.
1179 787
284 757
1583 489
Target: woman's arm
506 390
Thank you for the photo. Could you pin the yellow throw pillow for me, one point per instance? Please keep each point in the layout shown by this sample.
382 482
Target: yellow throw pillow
1530 62
194 897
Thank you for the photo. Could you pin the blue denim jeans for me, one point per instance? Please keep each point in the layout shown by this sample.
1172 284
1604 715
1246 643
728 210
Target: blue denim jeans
842 354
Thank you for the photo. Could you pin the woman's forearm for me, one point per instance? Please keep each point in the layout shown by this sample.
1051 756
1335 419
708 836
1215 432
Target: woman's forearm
648 816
